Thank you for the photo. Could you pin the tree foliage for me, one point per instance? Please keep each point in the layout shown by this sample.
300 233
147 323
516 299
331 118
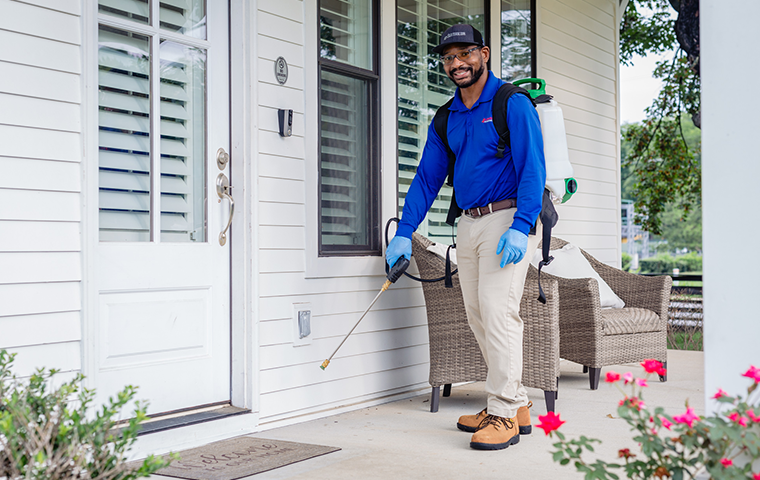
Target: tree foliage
665 169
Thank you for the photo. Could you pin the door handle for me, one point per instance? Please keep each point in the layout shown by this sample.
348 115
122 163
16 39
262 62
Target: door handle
224 190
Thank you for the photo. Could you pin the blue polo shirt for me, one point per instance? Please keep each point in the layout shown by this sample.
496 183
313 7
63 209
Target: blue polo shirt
480 177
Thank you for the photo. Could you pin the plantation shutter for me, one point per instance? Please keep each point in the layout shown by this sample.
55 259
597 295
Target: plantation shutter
422 88
125 145
343 170
124 135
347 92
182 142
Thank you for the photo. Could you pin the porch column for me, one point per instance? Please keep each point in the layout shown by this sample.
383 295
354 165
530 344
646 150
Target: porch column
730 192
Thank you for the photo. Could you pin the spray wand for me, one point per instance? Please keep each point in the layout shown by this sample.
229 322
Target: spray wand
394 274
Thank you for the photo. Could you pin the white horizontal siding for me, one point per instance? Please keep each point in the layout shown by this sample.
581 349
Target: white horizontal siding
40 183
388 352
578 59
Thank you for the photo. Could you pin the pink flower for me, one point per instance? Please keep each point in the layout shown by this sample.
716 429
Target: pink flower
612 377
726 462
753 373
641 382
688 418
755 418
721 393
549 422
652 366
632 402
628 377
666 423
756 476
735 417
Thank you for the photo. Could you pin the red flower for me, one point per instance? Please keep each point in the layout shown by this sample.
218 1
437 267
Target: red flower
612 377
721 393
735 417
666 423
755 418
753 373
756 476
653 366
549 422
726 462
688 418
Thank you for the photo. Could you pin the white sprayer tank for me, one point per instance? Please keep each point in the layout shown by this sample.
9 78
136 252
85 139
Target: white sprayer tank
559 170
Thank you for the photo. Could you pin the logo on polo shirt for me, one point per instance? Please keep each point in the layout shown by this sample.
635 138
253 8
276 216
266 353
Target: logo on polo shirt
486 120
454 34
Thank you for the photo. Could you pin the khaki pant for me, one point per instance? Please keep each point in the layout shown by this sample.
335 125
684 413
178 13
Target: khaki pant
492 299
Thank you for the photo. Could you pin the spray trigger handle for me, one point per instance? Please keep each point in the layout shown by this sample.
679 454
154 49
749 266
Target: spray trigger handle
398 269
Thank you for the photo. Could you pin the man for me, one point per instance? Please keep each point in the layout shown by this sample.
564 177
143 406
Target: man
493 239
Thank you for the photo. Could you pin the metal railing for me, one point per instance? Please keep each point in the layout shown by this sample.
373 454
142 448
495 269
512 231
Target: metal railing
685 314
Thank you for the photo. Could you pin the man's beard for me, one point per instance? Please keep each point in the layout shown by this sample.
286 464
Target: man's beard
474 75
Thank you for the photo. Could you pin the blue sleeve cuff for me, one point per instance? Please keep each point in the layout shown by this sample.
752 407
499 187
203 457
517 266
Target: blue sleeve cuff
521 226
405 230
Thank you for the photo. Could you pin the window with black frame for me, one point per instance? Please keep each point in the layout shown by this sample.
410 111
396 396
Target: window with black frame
349 128
517 39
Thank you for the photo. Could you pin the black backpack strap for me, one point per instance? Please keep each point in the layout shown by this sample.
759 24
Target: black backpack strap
441 125
549 219
499 114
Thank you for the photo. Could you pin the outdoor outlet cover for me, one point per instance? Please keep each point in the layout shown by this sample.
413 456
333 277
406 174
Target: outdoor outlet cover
304 323
301 324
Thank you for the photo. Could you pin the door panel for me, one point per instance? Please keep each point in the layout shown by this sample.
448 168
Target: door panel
163 277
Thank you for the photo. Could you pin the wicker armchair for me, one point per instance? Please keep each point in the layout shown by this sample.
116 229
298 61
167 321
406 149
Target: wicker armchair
596 337
454 353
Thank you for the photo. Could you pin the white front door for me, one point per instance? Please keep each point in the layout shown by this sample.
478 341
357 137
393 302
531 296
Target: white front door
163 276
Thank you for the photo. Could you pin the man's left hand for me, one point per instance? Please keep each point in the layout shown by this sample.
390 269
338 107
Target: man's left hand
514 244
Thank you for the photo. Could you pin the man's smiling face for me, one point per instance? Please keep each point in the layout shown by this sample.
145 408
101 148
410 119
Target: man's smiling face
466 72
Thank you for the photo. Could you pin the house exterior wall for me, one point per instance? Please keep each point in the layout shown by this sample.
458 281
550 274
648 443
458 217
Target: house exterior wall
578 58
40 183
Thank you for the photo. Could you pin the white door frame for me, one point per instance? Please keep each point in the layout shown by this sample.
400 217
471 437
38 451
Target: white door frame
244 243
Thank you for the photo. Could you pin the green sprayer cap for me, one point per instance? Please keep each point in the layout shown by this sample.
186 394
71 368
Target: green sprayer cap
541 90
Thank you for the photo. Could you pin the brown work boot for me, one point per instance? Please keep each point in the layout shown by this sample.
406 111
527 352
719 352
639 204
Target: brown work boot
523 419
495 433
469 423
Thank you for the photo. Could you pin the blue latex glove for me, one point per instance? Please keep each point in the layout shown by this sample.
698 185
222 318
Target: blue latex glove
514 244
399 247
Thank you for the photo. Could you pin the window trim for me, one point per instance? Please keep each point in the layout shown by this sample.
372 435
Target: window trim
372 77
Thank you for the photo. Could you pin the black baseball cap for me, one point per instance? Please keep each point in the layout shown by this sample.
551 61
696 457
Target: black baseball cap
460 33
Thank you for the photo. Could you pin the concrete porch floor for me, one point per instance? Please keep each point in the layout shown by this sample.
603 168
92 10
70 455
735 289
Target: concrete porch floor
403 440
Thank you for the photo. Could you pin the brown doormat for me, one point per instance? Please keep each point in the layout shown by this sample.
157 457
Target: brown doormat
240 457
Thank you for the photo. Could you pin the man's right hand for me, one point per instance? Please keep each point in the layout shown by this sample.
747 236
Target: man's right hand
399 247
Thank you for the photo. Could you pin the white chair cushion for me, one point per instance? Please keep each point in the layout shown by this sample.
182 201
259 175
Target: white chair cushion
440 250
569 262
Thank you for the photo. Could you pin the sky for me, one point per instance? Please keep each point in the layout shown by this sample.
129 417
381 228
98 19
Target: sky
638 88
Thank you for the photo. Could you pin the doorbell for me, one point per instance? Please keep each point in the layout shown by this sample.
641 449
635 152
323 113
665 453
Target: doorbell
286 122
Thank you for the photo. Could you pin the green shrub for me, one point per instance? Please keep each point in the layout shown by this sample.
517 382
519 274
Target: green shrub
50 433
691 262
662 263
626 262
